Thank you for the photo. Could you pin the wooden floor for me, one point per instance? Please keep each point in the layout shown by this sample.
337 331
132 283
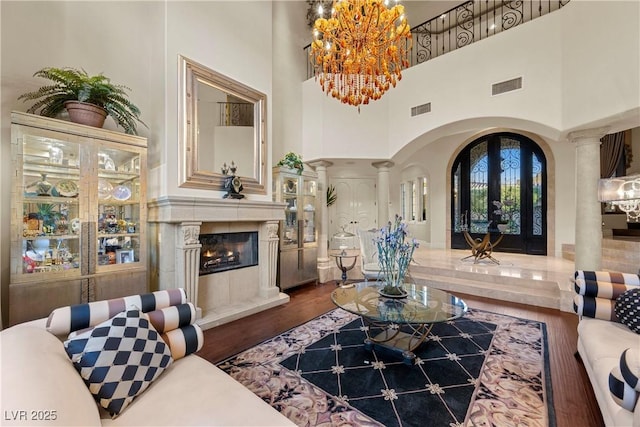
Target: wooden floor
573 397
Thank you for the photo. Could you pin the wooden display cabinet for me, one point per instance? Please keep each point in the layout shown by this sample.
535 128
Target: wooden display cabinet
78 215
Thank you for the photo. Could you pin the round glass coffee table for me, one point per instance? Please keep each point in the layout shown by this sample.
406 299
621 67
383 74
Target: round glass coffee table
398 324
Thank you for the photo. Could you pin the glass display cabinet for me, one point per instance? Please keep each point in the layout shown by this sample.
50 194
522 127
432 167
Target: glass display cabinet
78 215
298 253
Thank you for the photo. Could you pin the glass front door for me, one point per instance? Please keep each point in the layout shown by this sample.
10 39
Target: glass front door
499 187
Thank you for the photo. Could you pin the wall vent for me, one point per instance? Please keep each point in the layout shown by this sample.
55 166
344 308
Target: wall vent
506 86
421 109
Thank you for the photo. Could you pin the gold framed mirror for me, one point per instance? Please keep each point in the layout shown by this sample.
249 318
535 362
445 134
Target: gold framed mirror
220 121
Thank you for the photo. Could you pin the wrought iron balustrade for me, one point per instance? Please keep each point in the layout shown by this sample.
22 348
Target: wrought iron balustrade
467 23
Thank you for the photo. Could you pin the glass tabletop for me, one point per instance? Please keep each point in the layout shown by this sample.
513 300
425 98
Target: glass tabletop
422 305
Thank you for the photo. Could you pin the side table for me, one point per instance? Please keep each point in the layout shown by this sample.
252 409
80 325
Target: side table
345 262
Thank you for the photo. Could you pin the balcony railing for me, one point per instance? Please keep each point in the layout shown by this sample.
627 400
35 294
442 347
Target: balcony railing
467 23
235 114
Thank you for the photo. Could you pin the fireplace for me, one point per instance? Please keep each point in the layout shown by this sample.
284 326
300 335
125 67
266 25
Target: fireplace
228 251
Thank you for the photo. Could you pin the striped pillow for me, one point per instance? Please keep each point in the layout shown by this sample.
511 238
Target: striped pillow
64 320
608 276
594 307
184 341
174 317
607 290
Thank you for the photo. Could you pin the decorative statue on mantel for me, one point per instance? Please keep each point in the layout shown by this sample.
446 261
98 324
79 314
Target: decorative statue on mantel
232 183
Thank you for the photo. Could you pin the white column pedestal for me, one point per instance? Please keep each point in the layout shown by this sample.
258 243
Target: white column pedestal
383 191
588 239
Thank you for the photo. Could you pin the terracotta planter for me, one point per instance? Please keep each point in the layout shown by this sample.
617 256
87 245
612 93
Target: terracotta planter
85 113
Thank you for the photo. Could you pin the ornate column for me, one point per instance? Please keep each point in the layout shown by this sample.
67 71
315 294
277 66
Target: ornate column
188 259
383 190
588 234
269 246
322 217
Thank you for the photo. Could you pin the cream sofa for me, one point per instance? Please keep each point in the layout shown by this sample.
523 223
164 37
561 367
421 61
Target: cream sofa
40 386
601 342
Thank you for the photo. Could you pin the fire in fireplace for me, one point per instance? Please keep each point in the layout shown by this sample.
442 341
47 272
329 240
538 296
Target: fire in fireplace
228 251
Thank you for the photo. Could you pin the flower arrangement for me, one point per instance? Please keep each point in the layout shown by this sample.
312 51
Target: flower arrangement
394 255
501 214
292 160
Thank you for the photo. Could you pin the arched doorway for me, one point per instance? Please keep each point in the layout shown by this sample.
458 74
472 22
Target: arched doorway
499 184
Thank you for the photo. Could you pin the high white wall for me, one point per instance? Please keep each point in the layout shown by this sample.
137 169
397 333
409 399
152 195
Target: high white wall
136 44
574 77
233 38
123 40
565 85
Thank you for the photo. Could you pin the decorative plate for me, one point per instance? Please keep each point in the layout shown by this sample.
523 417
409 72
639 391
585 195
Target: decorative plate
121 192
109 165
104 189
75 225
67 188
34 256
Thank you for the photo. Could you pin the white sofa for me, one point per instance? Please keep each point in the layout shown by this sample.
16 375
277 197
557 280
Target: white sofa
601 342
40 386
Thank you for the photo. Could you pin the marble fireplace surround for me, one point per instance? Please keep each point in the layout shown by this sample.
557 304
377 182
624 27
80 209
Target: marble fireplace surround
177 222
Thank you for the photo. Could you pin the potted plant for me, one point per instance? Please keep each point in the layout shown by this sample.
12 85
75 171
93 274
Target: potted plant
292 160
88 99
331 195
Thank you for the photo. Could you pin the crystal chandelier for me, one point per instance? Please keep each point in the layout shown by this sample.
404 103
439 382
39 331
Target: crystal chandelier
359 53
623 192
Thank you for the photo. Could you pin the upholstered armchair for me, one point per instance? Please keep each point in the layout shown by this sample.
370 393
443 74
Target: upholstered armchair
369 254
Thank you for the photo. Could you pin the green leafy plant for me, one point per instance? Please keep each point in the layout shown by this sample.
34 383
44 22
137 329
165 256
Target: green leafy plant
292 160
331 195
71 84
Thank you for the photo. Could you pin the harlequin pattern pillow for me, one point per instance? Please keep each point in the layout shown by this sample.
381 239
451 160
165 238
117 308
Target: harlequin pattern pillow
119 359
627 308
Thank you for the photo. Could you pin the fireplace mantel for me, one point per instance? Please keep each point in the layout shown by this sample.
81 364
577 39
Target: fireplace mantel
181 209
176 223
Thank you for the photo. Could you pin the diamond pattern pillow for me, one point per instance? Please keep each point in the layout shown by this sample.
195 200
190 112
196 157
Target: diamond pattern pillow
627 309
119 359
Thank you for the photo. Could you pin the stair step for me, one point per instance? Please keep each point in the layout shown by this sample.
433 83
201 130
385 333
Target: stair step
617 255
543 294
519 276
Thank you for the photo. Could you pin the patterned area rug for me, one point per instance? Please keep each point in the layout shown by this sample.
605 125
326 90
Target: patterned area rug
484 369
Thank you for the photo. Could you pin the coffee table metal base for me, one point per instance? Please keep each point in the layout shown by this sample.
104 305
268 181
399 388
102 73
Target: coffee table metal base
393 339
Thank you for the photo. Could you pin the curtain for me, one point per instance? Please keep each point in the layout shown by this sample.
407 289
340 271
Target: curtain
611 150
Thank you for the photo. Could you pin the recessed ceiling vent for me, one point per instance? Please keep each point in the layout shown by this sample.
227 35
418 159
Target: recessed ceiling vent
421 109
506 86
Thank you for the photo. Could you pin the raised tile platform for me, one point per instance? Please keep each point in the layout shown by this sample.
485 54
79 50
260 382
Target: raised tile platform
529 279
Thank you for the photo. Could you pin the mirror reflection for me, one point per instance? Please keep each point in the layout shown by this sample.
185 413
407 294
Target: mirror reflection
222 121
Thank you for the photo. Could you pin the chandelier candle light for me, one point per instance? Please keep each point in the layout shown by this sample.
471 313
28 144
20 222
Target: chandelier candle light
359 53
624 192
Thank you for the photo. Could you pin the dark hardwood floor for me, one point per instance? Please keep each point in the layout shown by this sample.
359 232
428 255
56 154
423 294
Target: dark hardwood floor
574 401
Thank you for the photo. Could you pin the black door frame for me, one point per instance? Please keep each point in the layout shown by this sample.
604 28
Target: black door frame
526 242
